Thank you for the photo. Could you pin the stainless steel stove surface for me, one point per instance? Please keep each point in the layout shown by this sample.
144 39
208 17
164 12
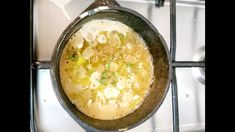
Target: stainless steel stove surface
52 16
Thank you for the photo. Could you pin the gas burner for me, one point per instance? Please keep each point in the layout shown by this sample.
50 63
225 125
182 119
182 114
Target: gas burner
199 72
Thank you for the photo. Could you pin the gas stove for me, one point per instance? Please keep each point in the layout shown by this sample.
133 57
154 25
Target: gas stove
50 18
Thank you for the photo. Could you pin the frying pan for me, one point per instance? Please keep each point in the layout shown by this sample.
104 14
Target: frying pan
111 10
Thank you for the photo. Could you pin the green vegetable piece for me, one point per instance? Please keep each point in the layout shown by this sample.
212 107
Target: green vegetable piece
73 57
107 66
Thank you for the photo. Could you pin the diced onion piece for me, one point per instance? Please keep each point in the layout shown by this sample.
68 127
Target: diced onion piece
100 68
90 67
144 72
130 59
113 66
128 69
109 108
111 92
132 78
78 88
89 37
101 39
79 43
140 65
82 72
128 83
95 106
93 44
121 84
95 76
94 59
136 97
137 85
87 53
101 97
113 105
126 99
112 102
129 46
89 102
114 41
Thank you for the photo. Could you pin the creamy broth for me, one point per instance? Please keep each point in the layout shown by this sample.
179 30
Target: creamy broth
106 69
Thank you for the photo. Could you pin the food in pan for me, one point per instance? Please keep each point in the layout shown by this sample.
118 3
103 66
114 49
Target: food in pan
106 69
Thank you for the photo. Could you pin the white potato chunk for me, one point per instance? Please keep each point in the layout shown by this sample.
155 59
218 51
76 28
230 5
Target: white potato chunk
77 41
111 92
90 38
87 53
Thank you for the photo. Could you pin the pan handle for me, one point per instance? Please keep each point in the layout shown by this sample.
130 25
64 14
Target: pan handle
97 3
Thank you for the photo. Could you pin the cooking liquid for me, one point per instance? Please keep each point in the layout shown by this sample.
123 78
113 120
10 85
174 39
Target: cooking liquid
106 69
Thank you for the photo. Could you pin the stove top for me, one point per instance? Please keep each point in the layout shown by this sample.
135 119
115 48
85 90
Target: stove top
50 18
